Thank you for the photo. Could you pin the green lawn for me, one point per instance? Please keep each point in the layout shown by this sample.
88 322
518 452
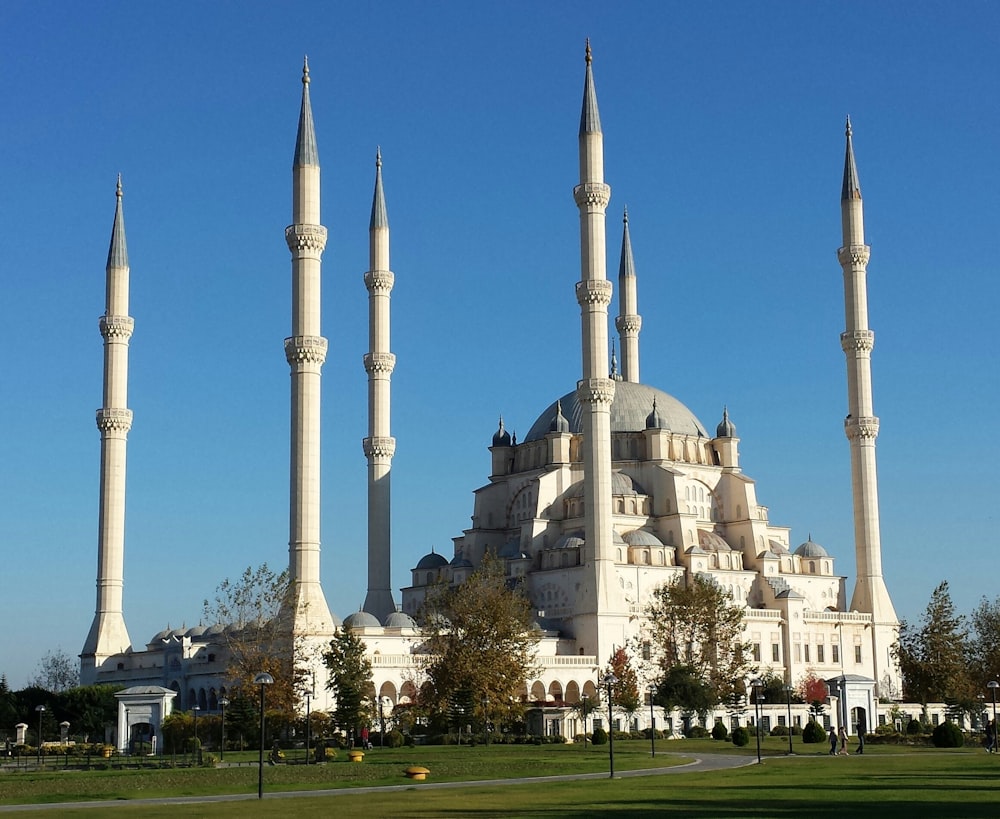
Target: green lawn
887 782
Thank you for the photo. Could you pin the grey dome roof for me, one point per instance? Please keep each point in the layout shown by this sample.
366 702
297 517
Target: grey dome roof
571 540
361 619
777 547
621 484
811 549
712 542
629 411
642 537
459 561
726 428
654 420
432 561
196 631
511 550
559 423
501 437
399 619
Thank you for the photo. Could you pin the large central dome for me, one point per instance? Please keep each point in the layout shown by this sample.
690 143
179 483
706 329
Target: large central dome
632 405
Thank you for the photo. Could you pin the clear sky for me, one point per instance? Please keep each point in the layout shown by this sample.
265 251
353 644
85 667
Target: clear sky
724 136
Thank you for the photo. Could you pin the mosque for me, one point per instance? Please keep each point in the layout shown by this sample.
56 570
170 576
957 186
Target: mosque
616 489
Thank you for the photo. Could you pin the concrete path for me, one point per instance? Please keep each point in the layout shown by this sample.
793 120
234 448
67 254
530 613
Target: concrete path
703 762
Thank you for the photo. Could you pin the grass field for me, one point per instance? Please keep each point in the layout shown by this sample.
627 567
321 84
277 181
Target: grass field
886 783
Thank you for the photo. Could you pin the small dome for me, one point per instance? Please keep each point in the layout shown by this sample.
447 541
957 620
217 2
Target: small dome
460 562
777 548
810 549
726 428
642 537
501 437
161 635
511 549
361 619
399 619
712 542
621 484
559 423
654 420
196 631
572 540
432 561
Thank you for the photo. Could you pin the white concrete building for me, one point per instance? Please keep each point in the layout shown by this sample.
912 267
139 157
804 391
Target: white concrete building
616 489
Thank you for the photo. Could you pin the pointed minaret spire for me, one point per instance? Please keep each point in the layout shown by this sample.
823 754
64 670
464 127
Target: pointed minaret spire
861 425
628 322
590 119
305 352
614 364
379 446
108 635
306 152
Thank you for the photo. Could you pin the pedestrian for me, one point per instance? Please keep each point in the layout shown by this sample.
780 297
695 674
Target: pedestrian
843 740
833 741
991 737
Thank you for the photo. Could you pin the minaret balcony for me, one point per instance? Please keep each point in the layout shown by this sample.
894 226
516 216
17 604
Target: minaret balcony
854 255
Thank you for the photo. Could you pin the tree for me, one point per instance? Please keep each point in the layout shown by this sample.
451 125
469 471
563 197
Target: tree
682 687
257 636
934 656
478 638
350 679
984 648
695 624
88 708
8 705
625 692
813 690
56 672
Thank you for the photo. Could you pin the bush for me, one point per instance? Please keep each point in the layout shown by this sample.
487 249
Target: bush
948 735
779 731
813 732
914 727
599 737
394 739
741 737
696 732
719 731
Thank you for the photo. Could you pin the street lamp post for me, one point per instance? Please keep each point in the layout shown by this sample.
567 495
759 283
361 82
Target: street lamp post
381 720
788 702
652 721
308 722
41 710
128 734
222 748
586 704
993 685
486 720
263 679
196 709
609 680
757 685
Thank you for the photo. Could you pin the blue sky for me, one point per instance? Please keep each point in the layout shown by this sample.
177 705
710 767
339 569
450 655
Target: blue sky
724 136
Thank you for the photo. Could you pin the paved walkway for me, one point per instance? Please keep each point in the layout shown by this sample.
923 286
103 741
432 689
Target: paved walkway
703 762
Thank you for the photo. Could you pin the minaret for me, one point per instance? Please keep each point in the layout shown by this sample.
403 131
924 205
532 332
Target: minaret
305 351
861 425
596 391
379 446
108 635
628 322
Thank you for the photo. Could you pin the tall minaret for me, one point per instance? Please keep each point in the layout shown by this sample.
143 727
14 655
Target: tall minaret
305 351
861 425
379 446
595 390
108 635
628 322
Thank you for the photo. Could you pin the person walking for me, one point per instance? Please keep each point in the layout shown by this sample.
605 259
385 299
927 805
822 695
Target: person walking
833 741
991 737
843 740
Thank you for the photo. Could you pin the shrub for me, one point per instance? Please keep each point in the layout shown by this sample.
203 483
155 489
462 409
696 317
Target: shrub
914 727
394 739
719 731
779 731
696 732
741 737
599 737
948 735
813 732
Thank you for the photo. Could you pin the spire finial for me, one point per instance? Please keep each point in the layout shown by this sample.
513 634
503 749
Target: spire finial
625 215
589 57
118 190
851 188
378 156
305 70
848 128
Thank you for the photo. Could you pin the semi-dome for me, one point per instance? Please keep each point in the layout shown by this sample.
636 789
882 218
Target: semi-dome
572 540
712 542
642 537
621 484
811 549
629 411
432 561
361 619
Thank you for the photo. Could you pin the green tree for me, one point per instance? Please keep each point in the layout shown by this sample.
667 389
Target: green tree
8 705
56 672
350 679
683 688
934 656
695 624
478 638
258 638
88 708
984 647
